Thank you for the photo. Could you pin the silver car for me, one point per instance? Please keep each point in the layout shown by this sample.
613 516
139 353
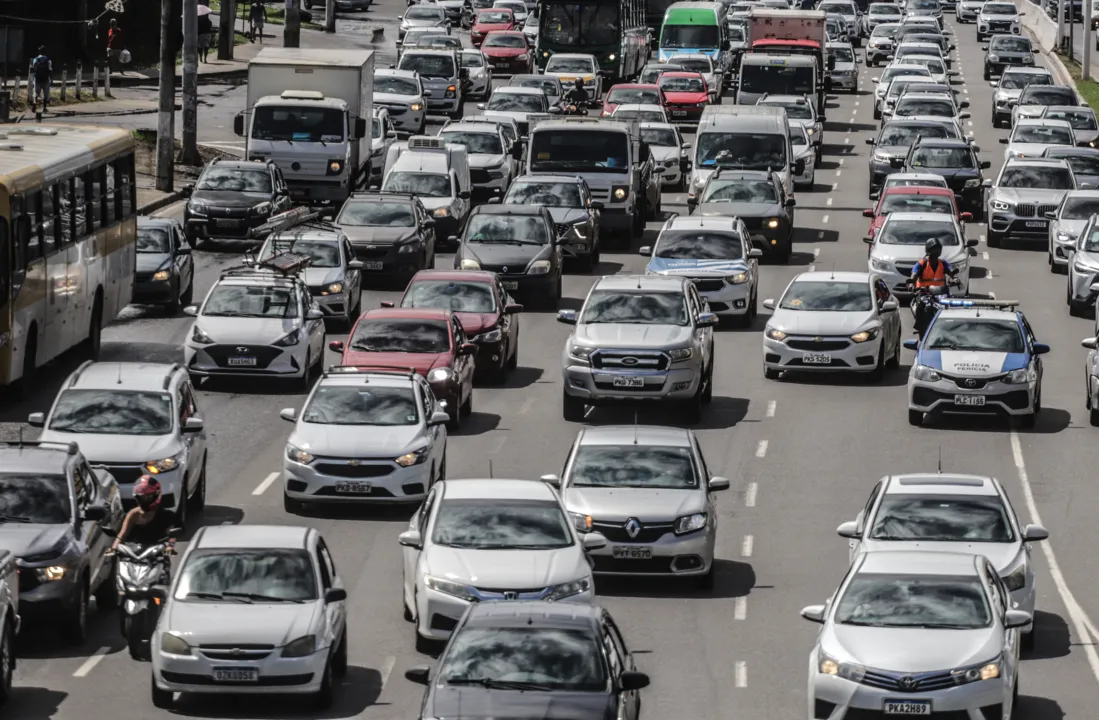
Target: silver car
1081 118
1030 138
998 18
668 150
1035 99
333 275
1083 271
422 17
950 513
1091 367
800 110
480 73
382 136
1024 191
403 96
886 78
845 72
910 631
1009 86
648 491
1066 225
879 13
968 10
806 151
491 167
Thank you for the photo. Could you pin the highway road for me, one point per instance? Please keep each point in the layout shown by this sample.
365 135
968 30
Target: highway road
802 455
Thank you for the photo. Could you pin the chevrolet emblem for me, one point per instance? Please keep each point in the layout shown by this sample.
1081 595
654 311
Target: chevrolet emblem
818 339
354 463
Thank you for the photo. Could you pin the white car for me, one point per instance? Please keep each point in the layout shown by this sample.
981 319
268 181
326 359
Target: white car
382 136
668 150
566 67
887 76
801 110
950 513
364 435
480 540
518 9
968 10
847 321
913 105
845 72
257 321
879 13
899 245
704 65
641 112
934 63
480 73
491 166
914 179
403 96
805 150
516 103
1031 138
998 18
255 610
893 93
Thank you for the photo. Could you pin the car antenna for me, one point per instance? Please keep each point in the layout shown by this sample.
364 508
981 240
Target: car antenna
20 437
119 374
634 427
833 271
490 469
940 459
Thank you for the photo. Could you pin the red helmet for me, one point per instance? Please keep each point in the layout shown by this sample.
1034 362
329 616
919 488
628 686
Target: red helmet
147 492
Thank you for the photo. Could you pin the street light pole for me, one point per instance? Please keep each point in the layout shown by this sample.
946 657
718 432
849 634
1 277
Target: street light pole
190 155
330 16
166 106
1086 34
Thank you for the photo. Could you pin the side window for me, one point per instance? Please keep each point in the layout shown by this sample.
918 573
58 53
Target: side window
127 190
614 657
322 566
1029 331
82 217
997 591
459 336
326 560
50 228
83 486
427 402
704 469
425 510
97 198
66 211
865 514
618 642
191 407
110 195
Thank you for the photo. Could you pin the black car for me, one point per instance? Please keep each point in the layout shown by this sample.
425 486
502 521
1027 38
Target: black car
231 197
1003 51
894 141
757 197
165 268
957 162
527 659
575 215
391 233
518 243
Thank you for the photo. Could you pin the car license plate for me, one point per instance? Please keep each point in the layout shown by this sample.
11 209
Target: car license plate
224 223
907 707
354 488
816 359
372 264
499 66
510 284
970 400
679 113
236 675
628 381
633 553
242 361
1036 223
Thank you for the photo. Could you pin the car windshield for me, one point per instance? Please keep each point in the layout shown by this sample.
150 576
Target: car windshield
1080 208
297 123
1018 81
1082 164
935 67
361 405
689 36
942 157
38 499
508 229
627 113
933 181
914 601
156 240
420 12
587 150
401 336
747 151
634 96
1050 178
927 107
886 31
252 181
475 143
1078 119
470 297
516 102
885 9
736 33
843 54
778 79
897 87
999 9
794 111
897 71
504 40
549 194
798 137
321 253
396 85
918 232
257 301
548 86
740 191
268 575
699 245
475 524
945 518
558 65
472 59
376 214
653 467
539 657
1048 95
635 308
977 334
660 137
652 73
416 183
829 296
896 135
429 66
1042 135
1009 45
911 202
112 412
439 41
495 17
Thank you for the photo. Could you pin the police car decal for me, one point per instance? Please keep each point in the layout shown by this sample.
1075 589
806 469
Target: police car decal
969 362
682 266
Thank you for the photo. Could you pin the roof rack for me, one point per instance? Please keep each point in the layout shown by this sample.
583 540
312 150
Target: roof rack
287 264
966 303
70 448
287 220
370 370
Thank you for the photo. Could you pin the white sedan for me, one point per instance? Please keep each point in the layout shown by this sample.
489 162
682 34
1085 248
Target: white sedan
899 245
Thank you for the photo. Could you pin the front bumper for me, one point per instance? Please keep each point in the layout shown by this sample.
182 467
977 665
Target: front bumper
405 120
154 291
229 225
373 481
1058 250
943 396
36 595
596 387
685 114
441 104
534 287
277 675
846 82
1008 223
509 66
671 554
1080 282
830 353
491 356
729 300
271 361
879 53
334 304
387 258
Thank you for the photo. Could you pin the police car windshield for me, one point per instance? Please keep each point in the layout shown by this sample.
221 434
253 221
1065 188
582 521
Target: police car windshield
699 245
1050 178
402 336
1080 208
635 308
828 296
942 518
978 334
322 253
471 297
1043 135
918 232
361 405
566 195
227 300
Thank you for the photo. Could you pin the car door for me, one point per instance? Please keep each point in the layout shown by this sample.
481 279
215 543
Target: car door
353 278
862 522
435 433
509 324
704 479
184 261
314 329
92 537
620 661
420 522
194 443
463 364
335 613
1036 360
890 320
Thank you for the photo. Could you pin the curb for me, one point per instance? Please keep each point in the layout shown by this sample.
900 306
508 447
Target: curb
169 199
203 78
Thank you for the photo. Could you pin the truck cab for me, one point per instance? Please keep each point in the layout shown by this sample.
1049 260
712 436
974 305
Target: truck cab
435 172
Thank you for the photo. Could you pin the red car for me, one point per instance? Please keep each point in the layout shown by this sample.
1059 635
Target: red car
632 94
488 21
483 307
507 51
687 95
428 340
914 198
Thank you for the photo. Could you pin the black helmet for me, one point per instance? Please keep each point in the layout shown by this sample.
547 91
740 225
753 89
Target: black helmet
41 49
580 83
933 247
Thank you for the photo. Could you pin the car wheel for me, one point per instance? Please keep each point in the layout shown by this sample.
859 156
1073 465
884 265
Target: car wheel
173 306
322 700
1027 643
1077 308
994 239
188 295
513 361
181 512
878 372
708 393
467 407
7 662
770 373
198 499
915 417
877 113
572 408
76 624
306 378
455 421
339 661
895 361
162 699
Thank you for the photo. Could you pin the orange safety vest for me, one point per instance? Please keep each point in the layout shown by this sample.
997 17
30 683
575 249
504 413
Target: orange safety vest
930 277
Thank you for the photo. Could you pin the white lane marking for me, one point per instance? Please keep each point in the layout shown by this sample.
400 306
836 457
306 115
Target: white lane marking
91 662
741 674
750 496
816 252
856 103
839 172
992 296
527 405
761 449
740 608
969 123
746 546
828 202
846 140
981 238
387 668
1076 613
812 268
988 275
984 255
267 482
841 161
823 220
848 131
771 408
499 445
835 186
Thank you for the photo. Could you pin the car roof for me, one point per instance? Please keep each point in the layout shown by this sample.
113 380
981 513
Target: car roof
921 217
681 74
381 197
526 613
689 56
573 56
153 221
905 66
914 176
1065 108
288 537
917 190
517 90
924 96
574 179
1036 162
982 313
943 142
714 222
477 276
660 283
496 489
35 458
394 72
314 234
236 165
375 376
644 435
1090 194
632 86
827 276
649 125
915 562
734 174
940 484
1041 122
122 376
783 100
1024 70
1057 152
640 106
406 314
482 127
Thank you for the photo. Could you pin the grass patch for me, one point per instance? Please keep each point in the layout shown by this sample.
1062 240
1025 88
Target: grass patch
1089 89
145 154
20 104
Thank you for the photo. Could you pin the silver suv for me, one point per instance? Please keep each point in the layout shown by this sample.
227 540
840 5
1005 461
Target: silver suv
1025 190
639 338
1009 87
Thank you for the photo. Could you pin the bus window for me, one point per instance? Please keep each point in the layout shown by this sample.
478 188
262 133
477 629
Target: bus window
34 242
5 267
65 213
82 223
111 197
124 173
51 229
96 199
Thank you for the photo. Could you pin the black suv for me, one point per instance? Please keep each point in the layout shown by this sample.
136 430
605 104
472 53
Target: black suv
231 197
391 233
957 162
1003 51
582 667
55 511
165 267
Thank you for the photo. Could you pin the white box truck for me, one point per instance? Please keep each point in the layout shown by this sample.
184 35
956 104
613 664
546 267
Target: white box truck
309 111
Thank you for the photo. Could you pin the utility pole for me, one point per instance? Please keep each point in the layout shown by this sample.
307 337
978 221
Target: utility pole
166 115
1087 35
190 156
1060 47
226 32
330 16
291 31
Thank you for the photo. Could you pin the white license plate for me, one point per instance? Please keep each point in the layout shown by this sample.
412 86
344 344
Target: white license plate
242 361
816 359
499 66
970 400
236 675
1036 223
633 553
679 113
904 707
510 284
628 381
354 488
372 264
221 222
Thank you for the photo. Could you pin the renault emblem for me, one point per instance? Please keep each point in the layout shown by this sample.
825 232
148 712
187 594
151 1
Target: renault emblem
633 528
908 682
971 383
354 463
504 268
629 361
511 595
242 349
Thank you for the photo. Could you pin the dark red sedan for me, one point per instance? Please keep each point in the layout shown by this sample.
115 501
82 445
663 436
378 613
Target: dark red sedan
632 94
486 312
430 341
914 198
507 51
687 95
490 20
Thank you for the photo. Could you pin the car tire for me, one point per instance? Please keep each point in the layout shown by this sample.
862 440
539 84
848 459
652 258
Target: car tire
106 595
306 379
692 409
994 239
455 422
424 646
339 659
1093 417
878 373
770 373
572 408
292 505
513 361
895 362
75 628
7 661
1026 642
198 499
915 417
135 643
180 520
705 582
162 699
877 113
467 407
323 698
188 295
1077 308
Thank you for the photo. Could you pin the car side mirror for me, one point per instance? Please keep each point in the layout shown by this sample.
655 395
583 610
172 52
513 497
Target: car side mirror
633 680
360 128
994 84
755 253
1051 214
813 613
868 213
193 425
554 480
94 513
566 317
594 541
391 134
426 93
314 314
869 239
706 319
411 539
596 205
850 530
791 202
1017 619
183 250
1003 141
966 217
645 251
870 141
464 195
513 309
191 310
238 124
438 418
493 201
289 414
1090 343
36 419
336 346
911 344
717 484
335 595
480 106
467 349
692 203
355 265
769 304
889 306
1034 533
971 242
452 239
988 181
963 104
1034 50
419 674
387 304
1041 348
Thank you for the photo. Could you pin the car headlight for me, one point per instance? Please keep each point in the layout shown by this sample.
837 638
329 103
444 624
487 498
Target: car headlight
1065 237
200 337
441 212
810 131
1016 579
523 58
882 265
828 665
155 467
196 207
334 289
564 590
302 647
449 587
416 457
581 228
866 335
51 573
416 107
174 645
1001 205
451 92
469 264
927 374
298 455
1020 376
680 354
162 275
440 375
975 673
690 523
774 333
491 336
263 208
581 522
291 339
539 267
620 192
882 156
335 166
773 223
994 58
1028 60
737 279
972 183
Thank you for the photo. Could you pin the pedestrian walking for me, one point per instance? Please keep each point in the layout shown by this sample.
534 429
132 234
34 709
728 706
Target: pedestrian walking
205 34
114 47
257 17
42 72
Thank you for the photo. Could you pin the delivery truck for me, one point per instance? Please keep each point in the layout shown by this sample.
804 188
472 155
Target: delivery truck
309 112
788 32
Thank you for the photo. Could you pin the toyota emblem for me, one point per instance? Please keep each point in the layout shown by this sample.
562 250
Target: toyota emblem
242 349
908 682
504 268
629 361
633 528
971 383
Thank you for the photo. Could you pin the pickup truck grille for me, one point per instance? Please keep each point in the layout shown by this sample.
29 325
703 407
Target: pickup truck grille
627 360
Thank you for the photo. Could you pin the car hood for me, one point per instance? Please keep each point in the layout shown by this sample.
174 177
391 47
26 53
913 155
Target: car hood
352 441
1009 93
484 160
382 235
685 98
845 67
515 257
475 703
1027 149
507 569
1086 136
229 198
1009 55
422 363
614 335
891 150
232 623
662 153
568 216
911 650
489 27
246 331
422 22
151 262
318 277
1002 555
912 253
474 323
741 209
1029 195
972 363
434 203
621 504
117 448
395 98
696 268
29 539
795 322
503 52
1072 227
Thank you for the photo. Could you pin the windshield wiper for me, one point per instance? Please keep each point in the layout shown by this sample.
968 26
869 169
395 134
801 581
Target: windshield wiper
217 596
15 519
260 597
491 684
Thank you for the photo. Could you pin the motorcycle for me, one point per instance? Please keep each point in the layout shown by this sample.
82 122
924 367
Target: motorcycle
574 109
925 303
139 570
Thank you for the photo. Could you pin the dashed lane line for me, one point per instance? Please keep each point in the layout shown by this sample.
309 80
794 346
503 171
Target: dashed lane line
828 202
812 268
386 669
984 255
761 449
771 405
267 482
91 662
740 608
750 496
741 674
816 252
823 220
746 546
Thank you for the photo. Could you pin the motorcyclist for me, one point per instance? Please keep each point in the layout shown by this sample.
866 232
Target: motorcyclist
577 96
931 270
145 524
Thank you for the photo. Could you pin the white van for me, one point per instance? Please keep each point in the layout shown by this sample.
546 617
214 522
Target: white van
435 172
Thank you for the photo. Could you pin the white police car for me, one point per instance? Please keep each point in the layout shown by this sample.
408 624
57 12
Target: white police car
717 254
977 357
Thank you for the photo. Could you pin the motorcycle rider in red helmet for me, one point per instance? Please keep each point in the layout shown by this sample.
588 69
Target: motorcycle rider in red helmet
144 524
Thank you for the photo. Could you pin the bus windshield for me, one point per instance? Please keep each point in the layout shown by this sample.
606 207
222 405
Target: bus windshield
579 25
689 36
777 80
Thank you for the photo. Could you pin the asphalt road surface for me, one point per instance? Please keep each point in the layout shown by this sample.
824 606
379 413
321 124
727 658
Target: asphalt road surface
802 454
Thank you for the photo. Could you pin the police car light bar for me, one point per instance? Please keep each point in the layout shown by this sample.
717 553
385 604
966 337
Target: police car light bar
959 303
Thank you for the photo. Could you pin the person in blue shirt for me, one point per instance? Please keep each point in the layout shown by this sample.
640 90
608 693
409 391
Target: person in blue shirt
42 73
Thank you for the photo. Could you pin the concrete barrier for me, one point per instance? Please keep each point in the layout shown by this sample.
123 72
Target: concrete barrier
1043 32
